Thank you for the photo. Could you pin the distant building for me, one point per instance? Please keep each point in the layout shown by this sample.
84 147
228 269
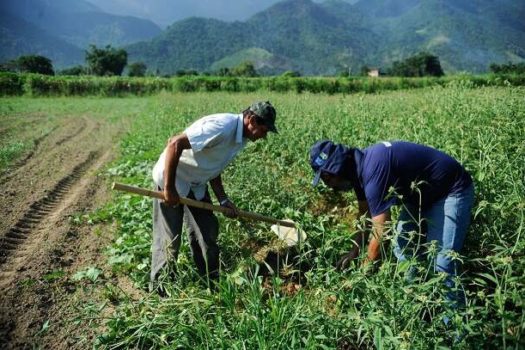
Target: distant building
374 72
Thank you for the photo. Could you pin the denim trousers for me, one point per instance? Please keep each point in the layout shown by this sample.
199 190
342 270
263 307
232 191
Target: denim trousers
445 224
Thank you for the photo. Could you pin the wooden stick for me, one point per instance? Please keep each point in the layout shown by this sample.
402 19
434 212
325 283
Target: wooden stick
202 205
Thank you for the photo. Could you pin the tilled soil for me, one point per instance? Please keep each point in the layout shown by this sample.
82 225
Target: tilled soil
40 246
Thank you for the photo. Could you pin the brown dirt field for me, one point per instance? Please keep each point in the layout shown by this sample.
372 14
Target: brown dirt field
41 248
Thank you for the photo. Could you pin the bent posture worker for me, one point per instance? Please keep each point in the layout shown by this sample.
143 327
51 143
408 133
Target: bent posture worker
429 184
189 161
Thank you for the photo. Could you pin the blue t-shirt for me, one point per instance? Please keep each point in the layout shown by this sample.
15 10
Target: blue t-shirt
394 172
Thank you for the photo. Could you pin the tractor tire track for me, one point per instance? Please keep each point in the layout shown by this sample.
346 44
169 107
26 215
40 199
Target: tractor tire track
52 158
12 244
40 246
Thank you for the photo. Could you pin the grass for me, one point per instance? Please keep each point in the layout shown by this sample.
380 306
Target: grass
482 127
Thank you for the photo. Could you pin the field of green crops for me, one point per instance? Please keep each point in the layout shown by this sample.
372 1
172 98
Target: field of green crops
321 308
482 128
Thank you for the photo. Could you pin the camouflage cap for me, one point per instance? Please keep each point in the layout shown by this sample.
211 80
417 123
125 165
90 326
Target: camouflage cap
266 112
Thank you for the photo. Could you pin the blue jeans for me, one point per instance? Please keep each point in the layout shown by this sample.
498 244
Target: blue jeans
446 222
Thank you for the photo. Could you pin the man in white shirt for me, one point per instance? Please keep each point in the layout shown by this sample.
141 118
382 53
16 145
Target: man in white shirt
189 161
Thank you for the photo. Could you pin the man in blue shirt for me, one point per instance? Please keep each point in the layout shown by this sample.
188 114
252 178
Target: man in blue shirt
435 191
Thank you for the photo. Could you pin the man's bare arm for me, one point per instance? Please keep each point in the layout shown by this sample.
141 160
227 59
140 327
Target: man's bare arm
378 230
174 149
218 189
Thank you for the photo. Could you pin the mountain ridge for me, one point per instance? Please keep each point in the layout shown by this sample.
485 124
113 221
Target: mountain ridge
312 37
324 38
77 23
298 41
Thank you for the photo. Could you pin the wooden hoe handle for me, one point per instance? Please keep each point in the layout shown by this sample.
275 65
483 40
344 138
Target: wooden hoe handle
199 204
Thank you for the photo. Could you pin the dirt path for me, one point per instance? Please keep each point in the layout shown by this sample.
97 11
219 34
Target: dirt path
40 248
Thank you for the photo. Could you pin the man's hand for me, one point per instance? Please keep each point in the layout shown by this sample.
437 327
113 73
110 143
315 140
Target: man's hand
229 204
346 259
171 197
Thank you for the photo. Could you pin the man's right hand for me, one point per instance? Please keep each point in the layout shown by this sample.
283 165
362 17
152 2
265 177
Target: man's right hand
171 197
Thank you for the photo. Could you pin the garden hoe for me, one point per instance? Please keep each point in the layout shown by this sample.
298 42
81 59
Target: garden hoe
286 230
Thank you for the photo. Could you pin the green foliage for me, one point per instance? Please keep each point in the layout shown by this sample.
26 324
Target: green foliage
76 70
298 35
259 57
34 64
11 84
509 68
291 74
480 127
186 72
91 274
107 61
9 152
421 65
137 69
224 72
245 69
316 37
34 85
312 37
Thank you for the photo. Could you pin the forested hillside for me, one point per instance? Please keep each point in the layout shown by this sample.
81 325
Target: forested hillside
466 35
310 37
20 37
303 35
333 36
44 27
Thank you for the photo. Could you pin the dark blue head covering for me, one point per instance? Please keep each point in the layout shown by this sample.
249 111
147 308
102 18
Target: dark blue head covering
328 157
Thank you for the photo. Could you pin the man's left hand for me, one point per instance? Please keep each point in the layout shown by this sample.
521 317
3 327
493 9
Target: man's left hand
234 211
346 260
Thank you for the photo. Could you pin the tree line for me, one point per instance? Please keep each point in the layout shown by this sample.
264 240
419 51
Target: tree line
110 61
107 61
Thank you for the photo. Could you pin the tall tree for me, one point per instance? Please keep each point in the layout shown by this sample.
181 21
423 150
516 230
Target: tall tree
422 64
106 61
245 69
34 64
137 69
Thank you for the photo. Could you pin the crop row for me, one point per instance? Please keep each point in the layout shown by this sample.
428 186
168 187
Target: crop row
12 84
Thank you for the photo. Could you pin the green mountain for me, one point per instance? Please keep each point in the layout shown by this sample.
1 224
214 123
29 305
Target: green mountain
19 37
83 29
79 23
305 36
193 43
465 35
312 37
324 38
